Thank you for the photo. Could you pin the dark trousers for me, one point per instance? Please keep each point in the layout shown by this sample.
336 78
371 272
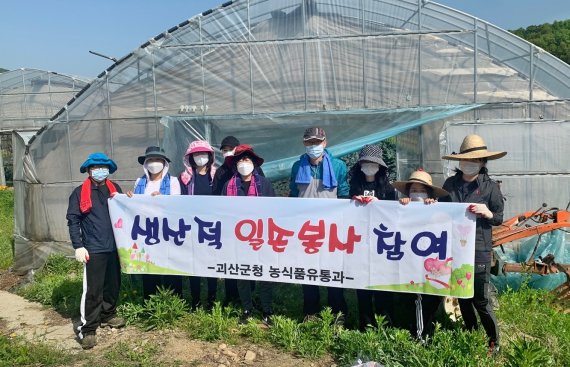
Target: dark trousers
312 300
245 294
152 281
480 303
101 285
426 309
371 303
231 291
195 287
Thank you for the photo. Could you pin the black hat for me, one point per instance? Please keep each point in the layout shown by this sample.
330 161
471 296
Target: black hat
229 141
372 153
153 152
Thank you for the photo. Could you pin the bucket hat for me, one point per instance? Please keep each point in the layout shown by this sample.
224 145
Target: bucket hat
420 176
241 151
153 152
372 153
198 146
98 159
473 147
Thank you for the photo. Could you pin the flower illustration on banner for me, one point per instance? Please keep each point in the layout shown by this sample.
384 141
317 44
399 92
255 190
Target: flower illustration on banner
119 223
437 268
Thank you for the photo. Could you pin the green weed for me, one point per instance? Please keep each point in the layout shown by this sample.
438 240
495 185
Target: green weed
162 310
128 354
6 228
20 352
527 353
219 324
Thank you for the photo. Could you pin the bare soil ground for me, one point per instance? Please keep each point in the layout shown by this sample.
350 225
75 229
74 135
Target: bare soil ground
35 323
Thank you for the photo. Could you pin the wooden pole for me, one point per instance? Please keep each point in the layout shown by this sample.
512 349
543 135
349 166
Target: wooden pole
2 175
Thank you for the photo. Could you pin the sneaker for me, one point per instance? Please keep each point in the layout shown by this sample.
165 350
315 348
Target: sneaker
266 319
88 341
493 349
245 317
114 323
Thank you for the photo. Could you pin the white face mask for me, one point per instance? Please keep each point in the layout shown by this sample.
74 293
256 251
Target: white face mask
369 169
229 153
154 167
244 168
418 196
470 168
201 159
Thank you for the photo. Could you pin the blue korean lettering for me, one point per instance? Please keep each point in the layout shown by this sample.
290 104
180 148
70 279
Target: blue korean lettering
437 245
209 231
393 252
150 232
177 235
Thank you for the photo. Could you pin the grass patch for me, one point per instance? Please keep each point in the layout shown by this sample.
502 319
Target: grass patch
533 330
6 228
20 352
57 284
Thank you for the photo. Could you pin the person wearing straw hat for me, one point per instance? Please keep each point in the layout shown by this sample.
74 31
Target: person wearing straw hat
157 181
419 188
91 234
472 184
246 181
368 181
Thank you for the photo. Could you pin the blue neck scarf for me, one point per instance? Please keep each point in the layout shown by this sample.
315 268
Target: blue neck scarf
304 175
164 185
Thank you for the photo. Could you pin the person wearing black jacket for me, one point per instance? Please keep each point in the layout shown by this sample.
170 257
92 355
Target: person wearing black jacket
223 174
246 181
368 180
472 184
91 234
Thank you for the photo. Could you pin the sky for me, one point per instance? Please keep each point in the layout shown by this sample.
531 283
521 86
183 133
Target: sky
57 35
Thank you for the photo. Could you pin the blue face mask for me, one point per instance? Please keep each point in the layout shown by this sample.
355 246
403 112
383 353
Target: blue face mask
315 151
99 174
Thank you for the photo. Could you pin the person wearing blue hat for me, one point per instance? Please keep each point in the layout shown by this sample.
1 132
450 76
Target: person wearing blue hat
91 234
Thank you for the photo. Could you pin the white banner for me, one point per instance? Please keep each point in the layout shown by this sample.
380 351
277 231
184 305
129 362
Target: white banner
329 242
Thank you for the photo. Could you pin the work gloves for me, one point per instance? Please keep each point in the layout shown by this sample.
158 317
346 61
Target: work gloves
81 255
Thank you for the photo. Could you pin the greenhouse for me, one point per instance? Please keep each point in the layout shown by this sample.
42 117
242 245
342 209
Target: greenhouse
264 70
28 99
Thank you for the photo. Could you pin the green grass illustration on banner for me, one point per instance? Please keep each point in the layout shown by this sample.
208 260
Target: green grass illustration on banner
461 284
135 260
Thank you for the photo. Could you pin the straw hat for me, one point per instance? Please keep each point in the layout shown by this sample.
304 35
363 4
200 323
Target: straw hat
473 147
420 176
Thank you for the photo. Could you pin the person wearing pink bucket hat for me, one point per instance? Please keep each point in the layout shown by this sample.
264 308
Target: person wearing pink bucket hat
196 179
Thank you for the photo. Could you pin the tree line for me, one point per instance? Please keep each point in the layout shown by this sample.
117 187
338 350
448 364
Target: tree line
552 37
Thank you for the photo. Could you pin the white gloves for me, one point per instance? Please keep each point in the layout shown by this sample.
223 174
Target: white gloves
481 209
81 255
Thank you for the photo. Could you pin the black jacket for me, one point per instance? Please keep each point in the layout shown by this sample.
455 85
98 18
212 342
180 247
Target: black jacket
382 190
486 192
93 230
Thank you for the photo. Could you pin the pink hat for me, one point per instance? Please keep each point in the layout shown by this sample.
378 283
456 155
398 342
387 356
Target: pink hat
199 146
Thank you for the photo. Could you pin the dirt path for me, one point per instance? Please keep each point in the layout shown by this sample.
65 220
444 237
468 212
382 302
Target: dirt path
36 323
